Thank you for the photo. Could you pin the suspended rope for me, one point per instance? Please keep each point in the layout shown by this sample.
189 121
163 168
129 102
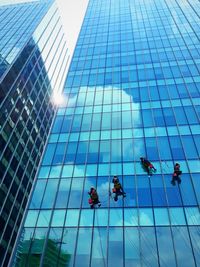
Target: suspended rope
170 215
148 263
131 242
181 193
146 240
101 246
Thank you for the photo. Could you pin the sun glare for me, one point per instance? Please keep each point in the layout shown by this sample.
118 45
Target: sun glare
58 99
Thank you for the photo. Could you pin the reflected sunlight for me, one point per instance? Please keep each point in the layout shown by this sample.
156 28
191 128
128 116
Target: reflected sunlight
58 99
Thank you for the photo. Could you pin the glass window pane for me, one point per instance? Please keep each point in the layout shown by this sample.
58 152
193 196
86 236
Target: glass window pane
196 182
25 246
194 235
99 247
83 248
183 247
72 217
67 246
79 170
31 218
146 217
148 247
38 194
86 217
132 247
49 153
189 147
161 216
50 194
158 191
187 190
115 247
131 217
193 216
37 245
53 244
173 194
55 172
144 194
130 189
44 218
67 170
101 217
63 193
58 218
116 217
165 243
177 216
44 172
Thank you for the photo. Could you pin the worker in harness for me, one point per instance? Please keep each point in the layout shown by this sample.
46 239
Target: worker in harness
94 198
176 175
117 189
148 166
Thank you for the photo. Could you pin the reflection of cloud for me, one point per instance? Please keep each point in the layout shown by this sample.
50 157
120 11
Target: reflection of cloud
99 240
103 192
119 222
71 101
79 170
145 219
128 148
11 56
138 148
114 97
77 185
132 220
103 187
183 248
84 241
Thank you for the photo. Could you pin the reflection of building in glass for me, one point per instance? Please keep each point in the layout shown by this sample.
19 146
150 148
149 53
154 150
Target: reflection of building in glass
36 246
132 91
26 111
3 65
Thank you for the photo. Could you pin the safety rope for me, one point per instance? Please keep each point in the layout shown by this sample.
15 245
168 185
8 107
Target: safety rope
104 261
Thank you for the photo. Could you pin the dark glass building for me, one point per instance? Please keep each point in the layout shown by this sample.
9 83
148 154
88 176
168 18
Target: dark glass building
33 59
132 91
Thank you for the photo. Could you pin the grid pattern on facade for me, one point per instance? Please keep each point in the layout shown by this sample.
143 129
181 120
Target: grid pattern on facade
17 24
132 90
26 109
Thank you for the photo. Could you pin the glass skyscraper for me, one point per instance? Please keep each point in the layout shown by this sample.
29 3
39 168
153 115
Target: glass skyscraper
33 59
132 90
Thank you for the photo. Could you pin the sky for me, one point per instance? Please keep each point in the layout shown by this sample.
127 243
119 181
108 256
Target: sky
72 13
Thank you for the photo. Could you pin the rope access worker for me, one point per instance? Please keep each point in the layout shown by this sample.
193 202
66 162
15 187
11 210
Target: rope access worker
115 179
117 189
176 174
148 166
94 198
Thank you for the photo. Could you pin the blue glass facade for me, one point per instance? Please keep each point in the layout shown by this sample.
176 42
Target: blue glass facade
132 90
33 59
